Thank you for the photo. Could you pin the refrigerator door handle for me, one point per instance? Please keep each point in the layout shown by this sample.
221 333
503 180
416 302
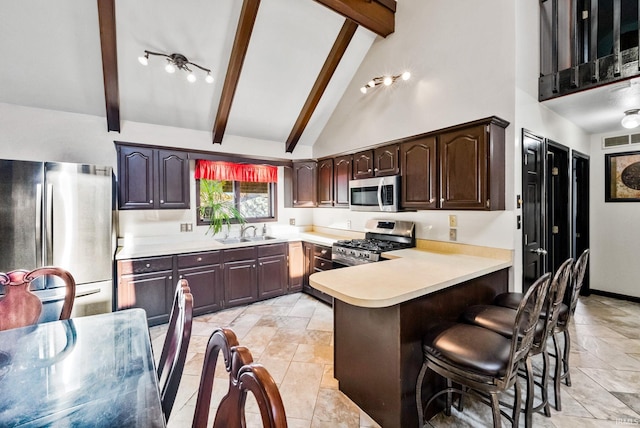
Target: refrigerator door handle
38 224
48 256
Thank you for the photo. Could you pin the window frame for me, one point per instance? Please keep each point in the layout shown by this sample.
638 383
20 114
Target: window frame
273 191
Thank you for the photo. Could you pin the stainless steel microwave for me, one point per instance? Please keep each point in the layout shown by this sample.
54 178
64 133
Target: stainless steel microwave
375 194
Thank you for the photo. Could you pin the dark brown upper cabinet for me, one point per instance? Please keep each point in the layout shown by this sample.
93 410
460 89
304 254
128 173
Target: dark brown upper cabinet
341 177
379 162
385 160
152 178
471 167
304 184
363 165
325 182
419 166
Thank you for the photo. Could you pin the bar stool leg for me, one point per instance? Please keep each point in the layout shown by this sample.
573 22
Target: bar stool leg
528 413
419 403
565 359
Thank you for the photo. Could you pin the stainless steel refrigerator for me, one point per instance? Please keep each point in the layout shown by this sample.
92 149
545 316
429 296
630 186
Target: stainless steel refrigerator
59 214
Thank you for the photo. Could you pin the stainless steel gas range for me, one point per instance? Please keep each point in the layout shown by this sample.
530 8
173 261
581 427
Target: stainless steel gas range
381 236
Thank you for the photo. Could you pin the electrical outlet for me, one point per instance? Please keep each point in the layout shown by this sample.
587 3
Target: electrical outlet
292 221
453 221
183 227
349 224
189 227
453 234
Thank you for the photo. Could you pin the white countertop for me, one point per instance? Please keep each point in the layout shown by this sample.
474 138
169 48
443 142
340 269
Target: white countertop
410 274
168 245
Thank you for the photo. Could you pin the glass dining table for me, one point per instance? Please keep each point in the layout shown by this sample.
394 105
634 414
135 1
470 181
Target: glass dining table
94 371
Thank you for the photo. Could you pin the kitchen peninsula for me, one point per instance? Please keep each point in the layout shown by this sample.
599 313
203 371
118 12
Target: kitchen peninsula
381 312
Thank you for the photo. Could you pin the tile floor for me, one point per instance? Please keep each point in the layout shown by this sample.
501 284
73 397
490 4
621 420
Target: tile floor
292 337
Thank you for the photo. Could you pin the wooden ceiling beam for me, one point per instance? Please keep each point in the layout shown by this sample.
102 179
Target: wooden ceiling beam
375 15
107 22
238 53
330 64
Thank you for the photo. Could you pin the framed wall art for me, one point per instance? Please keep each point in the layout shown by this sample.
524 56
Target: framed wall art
622 177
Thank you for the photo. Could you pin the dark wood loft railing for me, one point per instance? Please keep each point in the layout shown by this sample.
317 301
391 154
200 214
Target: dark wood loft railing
586 44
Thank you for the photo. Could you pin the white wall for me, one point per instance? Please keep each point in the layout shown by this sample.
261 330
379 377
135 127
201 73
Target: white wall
459 73
614 231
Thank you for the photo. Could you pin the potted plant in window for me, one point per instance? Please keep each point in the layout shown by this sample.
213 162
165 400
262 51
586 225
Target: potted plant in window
217 206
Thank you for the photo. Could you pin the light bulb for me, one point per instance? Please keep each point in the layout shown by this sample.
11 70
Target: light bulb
406 75
631 119
363 89
170 68
191 77
387 81
371 83
144 60
209 78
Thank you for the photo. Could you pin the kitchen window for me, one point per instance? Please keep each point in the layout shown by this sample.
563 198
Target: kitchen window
253 194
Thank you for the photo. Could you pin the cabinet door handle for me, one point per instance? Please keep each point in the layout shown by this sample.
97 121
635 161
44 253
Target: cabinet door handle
431 200
254 266
441 199
369 170
323 252
260 264
199 259
181 277
148 265
295 201
170 276
375 169
162 201
151 201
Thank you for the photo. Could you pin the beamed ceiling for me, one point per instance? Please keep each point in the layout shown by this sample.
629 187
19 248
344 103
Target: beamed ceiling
280 66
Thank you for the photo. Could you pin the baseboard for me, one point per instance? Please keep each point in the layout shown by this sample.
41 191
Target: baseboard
615 295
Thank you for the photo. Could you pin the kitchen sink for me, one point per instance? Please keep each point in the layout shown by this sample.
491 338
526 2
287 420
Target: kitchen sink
245 239
259 238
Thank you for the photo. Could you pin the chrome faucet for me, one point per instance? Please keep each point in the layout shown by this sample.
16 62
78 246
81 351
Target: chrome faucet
244 228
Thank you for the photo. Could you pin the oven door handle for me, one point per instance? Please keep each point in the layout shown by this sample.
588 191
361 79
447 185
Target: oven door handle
380 187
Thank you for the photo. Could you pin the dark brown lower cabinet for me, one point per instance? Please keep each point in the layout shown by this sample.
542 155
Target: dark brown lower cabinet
152 292
218 279
240 282
206 287
272 270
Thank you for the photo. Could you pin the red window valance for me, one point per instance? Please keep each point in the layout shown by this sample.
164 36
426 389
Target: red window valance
218 170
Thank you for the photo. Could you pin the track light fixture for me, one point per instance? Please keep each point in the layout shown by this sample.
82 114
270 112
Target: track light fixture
175 62
384 80
631 119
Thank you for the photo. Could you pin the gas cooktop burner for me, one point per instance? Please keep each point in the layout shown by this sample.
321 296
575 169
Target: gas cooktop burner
374 245
381 236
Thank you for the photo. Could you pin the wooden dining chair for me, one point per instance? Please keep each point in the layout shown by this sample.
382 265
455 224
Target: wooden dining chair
20 307
244 376
176 343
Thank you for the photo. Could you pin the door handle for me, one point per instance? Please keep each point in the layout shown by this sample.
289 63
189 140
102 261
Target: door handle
539 251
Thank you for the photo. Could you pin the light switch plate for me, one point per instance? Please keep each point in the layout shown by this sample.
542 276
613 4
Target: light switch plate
453 221
292 221
453 234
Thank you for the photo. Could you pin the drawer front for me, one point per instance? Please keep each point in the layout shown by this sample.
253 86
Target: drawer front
236 254
322 251
320 263
149 264
271 250
198 259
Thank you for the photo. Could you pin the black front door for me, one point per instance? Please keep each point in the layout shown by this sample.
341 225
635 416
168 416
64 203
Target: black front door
533 208
580 208
558 226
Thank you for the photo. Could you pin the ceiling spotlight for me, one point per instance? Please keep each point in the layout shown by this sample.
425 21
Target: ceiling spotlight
631 119
144 60
175 62
384 80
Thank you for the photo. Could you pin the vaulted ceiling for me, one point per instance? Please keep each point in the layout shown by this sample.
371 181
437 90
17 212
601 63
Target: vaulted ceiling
280 66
